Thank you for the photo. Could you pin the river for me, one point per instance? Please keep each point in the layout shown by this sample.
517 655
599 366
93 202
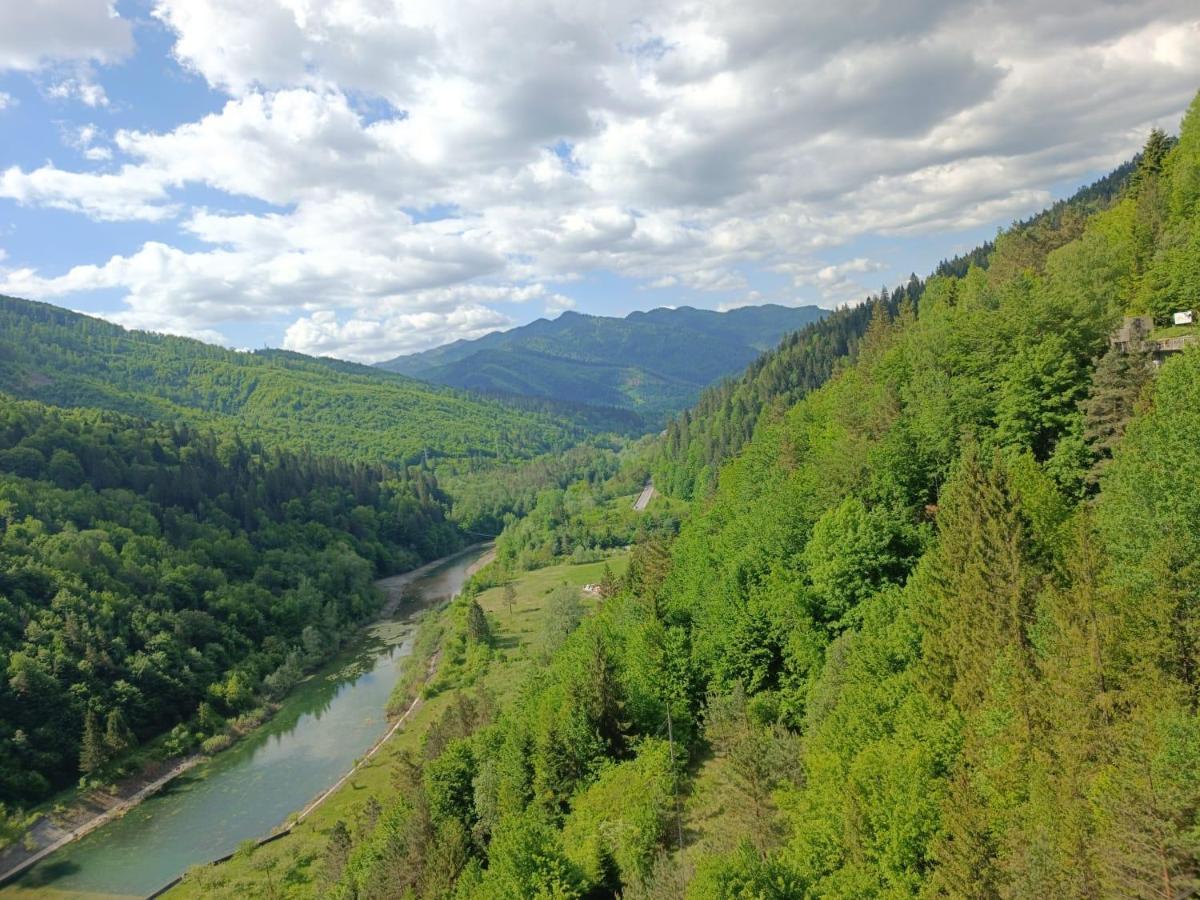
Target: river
323 726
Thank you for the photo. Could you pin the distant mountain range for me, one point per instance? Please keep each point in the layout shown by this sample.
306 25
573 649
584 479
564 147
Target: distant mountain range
655 362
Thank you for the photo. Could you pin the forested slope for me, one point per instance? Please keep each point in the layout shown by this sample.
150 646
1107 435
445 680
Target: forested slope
701 439
154 574
355 412
935 631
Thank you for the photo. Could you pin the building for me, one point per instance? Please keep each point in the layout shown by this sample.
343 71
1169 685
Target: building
1134 335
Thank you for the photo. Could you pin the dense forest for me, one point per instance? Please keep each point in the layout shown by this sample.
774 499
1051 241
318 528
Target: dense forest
933 633
286 399
158 576
655 363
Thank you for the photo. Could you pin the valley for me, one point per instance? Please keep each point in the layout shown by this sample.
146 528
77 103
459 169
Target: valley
586 452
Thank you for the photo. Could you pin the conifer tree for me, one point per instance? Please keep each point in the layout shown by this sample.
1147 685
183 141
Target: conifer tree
92 755
1117 383
117 736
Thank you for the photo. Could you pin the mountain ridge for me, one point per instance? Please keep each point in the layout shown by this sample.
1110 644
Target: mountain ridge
654 362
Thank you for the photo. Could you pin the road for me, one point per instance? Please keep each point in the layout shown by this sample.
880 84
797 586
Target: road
644 497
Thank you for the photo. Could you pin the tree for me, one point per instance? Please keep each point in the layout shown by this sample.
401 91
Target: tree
608 582
510 597
337 853
564 612
759 756
478 630
92 753
851 553
117 736
1117 382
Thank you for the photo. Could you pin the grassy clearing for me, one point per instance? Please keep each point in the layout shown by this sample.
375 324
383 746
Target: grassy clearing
287 867
1173 331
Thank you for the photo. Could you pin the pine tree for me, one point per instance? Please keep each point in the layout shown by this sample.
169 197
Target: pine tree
1117 382
337 853
478 629
92 754
117 736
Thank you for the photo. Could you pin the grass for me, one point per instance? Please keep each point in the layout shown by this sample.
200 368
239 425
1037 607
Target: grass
1173 331
288 867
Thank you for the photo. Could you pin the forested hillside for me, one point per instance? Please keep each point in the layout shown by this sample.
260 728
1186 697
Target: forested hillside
701 439
152 575
933 634
289 400
653 362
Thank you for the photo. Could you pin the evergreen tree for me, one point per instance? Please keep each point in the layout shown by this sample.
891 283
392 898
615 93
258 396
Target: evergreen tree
92 753
1117 382
478 629
117 736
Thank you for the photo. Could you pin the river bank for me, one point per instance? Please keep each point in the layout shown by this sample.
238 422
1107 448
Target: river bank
297 858
372 663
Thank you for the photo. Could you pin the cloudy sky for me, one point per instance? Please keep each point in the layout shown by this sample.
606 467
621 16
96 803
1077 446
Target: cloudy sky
361 178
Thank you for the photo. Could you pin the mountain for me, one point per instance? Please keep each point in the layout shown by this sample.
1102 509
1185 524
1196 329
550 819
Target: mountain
654 362
286 399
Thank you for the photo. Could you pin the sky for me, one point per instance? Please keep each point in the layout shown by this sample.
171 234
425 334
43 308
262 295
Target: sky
365 178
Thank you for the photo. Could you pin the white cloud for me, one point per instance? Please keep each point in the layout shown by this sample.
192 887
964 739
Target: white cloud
673 144
36 33
6 100
837 283
84 138
82 87
374 339
129 193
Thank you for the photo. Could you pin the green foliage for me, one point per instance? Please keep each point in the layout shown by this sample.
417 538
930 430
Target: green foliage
526 859
744 875
851 553
931 647
150 573
616 823
564 612
283 399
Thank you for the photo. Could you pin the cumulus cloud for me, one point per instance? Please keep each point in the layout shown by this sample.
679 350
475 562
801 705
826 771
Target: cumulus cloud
86 140
130 193
421 168
35 33
376 339
837 283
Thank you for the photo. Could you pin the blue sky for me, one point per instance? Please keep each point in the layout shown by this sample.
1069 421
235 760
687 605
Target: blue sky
363 178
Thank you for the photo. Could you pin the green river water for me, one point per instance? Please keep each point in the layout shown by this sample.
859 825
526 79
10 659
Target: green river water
245 792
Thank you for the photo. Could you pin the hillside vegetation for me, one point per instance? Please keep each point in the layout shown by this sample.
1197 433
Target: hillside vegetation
287 399
652 362
701 439
935 627
157 577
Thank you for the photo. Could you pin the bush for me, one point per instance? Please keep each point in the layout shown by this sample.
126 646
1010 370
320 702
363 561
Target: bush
216 744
